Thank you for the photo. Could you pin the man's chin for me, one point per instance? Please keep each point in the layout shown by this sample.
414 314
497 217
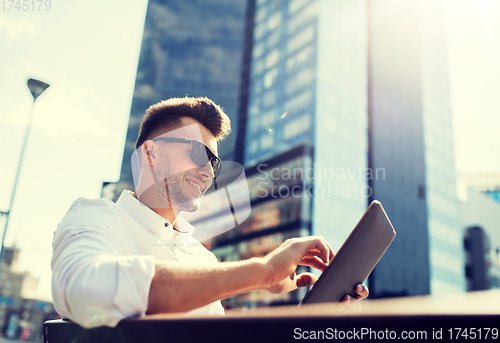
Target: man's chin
189 206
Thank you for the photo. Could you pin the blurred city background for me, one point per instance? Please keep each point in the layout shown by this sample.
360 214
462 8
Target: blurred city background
341 101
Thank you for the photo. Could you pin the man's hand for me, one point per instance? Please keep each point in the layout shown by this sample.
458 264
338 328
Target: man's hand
307 251
281 263
353 303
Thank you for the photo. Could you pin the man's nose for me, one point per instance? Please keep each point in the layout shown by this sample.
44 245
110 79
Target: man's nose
206 171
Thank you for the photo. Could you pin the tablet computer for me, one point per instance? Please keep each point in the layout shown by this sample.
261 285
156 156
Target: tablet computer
356 259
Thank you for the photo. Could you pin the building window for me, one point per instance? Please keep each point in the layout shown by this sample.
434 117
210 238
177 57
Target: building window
268 118
300 39
259 31
295 5
254 124
297 126
258 66
266 141
255 107
274 21
311 11
270 78
421 192
300 80
298 102
258 50
272 58
273 39
261 14
295 61
269 98
253 146
257 86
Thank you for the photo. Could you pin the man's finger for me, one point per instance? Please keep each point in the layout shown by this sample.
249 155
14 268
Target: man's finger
346 299
314 262
318 243
361 291
306 279
316 252
332 252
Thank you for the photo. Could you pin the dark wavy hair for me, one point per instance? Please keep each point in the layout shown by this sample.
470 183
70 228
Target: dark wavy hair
168 113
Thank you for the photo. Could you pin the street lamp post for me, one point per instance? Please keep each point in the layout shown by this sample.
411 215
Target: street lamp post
36 87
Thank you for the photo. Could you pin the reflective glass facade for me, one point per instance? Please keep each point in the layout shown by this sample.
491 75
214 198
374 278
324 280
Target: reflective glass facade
397 142
308 84
341 120
411 137
283 75
192 48
445 233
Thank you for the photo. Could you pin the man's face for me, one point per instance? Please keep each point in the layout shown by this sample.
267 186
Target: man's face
179 179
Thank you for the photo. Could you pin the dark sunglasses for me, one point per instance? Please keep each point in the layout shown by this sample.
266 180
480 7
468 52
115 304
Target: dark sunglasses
200 155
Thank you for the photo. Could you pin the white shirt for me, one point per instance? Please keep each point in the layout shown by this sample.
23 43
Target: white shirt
103 259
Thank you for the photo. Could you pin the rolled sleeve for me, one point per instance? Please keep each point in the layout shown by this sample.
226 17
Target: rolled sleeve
103 290
135 274
93 282
98 297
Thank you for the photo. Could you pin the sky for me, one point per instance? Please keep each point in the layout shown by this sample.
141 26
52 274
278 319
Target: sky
88 52
474 55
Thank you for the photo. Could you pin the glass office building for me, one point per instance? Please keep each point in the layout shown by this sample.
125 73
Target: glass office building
189 48
346 76
396 144
411 137
308 84
445 232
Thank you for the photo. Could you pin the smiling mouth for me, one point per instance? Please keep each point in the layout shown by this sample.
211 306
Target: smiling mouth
195 186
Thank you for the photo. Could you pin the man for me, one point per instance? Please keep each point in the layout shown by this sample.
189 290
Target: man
136 256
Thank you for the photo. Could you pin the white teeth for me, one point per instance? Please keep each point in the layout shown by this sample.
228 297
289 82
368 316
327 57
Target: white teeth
195 185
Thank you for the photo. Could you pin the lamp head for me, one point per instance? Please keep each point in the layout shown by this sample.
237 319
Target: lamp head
37 87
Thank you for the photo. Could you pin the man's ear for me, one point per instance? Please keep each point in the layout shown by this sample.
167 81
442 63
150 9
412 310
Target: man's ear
148 148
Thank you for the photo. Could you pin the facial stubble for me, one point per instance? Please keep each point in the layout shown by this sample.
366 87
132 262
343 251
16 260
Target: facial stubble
172 189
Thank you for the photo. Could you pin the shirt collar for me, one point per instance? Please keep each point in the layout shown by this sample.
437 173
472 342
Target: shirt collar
183 226
142 214
152 221
186 230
